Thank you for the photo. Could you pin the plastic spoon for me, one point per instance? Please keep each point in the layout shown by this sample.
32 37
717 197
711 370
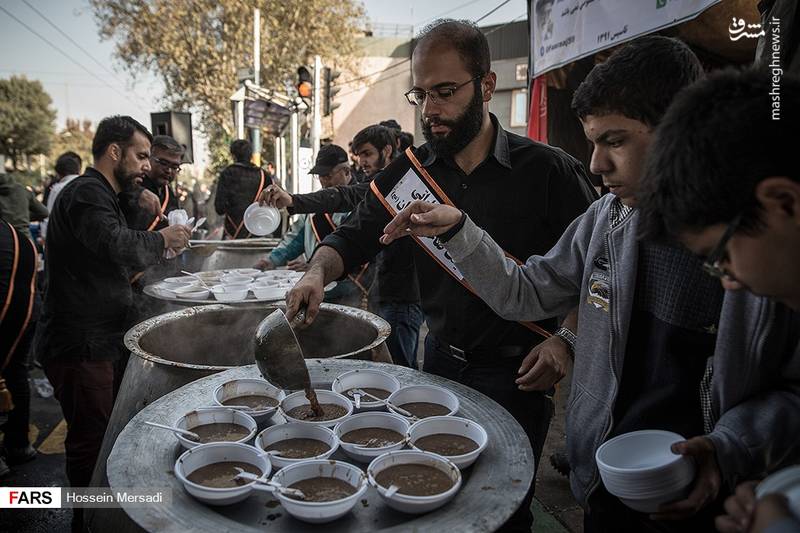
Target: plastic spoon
400 410
198 278
273 487
191 435
391 491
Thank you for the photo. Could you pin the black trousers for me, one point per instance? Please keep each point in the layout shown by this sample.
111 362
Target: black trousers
533 410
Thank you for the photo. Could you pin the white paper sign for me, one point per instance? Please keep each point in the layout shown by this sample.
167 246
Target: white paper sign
410 188
565 30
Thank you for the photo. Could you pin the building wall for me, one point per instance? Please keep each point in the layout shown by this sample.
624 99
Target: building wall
378 97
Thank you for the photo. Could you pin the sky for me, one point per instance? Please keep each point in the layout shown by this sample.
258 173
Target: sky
86 82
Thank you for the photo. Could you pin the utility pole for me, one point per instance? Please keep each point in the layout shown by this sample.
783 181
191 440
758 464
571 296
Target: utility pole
257 80
316 125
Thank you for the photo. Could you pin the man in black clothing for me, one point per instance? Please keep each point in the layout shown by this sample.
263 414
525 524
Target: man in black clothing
239 185
397 293
165 165
91 253
524 193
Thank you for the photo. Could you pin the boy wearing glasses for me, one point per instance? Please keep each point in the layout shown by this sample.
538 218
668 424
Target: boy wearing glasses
722 179
524 192
647 355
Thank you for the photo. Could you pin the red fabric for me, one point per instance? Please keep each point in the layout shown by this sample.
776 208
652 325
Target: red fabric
537 122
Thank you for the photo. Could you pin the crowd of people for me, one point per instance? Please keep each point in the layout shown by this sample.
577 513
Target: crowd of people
674 298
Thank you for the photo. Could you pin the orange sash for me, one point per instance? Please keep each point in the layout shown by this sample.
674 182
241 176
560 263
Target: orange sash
321 233
10 294
444 199
241 224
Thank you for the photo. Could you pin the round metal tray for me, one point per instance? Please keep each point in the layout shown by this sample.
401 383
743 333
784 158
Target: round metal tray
492 490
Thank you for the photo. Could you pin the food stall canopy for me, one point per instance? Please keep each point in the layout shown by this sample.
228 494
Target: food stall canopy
563 31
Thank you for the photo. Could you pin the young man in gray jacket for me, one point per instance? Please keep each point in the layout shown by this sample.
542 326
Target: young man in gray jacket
657 347
736 203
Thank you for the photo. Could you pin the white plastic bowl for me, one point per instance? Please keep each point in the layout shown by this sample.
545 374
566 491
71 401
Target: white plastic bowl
293 430
424 393
320 512
366 378
785 481
199 294
230 293
451 425
298 398
212 415
217 452
261 220
269 292
178 281
234 278
247 386
414 504
370 420
640 468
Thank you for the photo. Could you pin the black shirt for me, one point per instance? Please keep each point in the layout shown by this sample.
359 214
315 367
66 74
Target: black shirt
236 189
91 253
524 194
396 276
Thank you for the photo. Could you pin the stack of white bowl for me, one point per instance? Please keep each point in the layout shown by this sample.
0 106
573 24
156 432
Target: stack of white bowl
642 471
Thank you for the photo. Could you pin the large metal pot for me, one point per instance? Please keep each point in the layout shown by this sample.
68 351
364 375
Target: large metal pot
173 349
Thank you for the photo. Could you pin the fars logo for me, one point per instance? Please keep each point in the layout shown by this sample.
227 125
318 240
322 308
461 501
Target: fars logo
30 497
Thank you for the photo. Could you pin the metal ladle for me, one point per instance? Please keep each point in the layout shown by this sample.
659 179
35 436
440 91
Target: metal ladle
278 354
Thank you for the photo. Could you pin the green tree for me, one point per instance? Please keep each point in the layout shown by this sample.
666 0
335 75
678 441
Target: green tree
77 137
197 47
26 119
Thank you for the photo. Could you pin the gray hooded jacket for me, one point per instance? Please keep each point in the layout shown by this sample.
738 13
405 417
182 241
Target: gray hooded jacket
756 383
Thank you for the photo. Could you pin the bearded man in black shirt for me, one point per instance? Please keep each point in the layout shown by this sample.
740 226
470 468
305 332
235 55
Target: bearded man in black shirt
525 195
91 254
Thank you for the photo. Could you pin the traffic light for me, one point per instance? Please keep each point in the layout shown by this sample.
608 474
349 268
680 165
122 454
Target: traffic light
330 90
304 85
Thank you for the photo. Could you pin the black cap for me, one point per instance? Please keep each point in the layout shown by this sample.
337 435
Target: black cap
328 157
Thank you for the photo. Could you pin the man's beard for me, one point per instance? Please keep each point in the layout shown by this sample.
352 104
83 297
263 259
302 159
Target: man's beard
127 181
462 129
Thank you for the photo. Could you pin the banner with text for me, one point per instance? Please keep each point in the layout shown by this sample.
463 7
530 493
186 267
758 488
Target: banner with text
565 30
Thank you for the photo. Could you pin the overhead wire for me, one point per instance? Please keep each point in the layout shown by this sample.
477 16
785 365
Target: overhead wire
62 52
81 48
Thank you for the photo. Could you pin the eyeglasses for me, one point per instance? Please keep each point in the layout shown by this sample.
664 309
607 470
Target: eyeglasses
169 165
712 263
437 94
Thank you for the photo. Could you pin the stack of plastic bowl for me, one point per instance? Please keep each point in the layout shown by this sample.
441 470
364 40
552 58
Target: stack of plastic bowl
642 471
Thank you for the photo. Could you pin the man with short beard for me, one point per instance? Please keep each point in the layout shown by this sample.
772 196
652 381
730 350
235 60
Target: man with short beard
524 193
90 255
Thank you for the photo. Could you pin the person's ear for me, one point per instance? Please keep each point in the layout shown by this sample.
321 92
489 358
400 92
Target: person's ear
114 151
387 152
488 86
779 196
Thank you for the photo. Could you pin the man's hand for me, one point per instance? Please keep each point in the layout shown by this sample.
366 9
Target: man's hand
150 203
544 366
745 514
308 293
264 264
422 219
298 265
274 196
739 508
706 482
176 237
